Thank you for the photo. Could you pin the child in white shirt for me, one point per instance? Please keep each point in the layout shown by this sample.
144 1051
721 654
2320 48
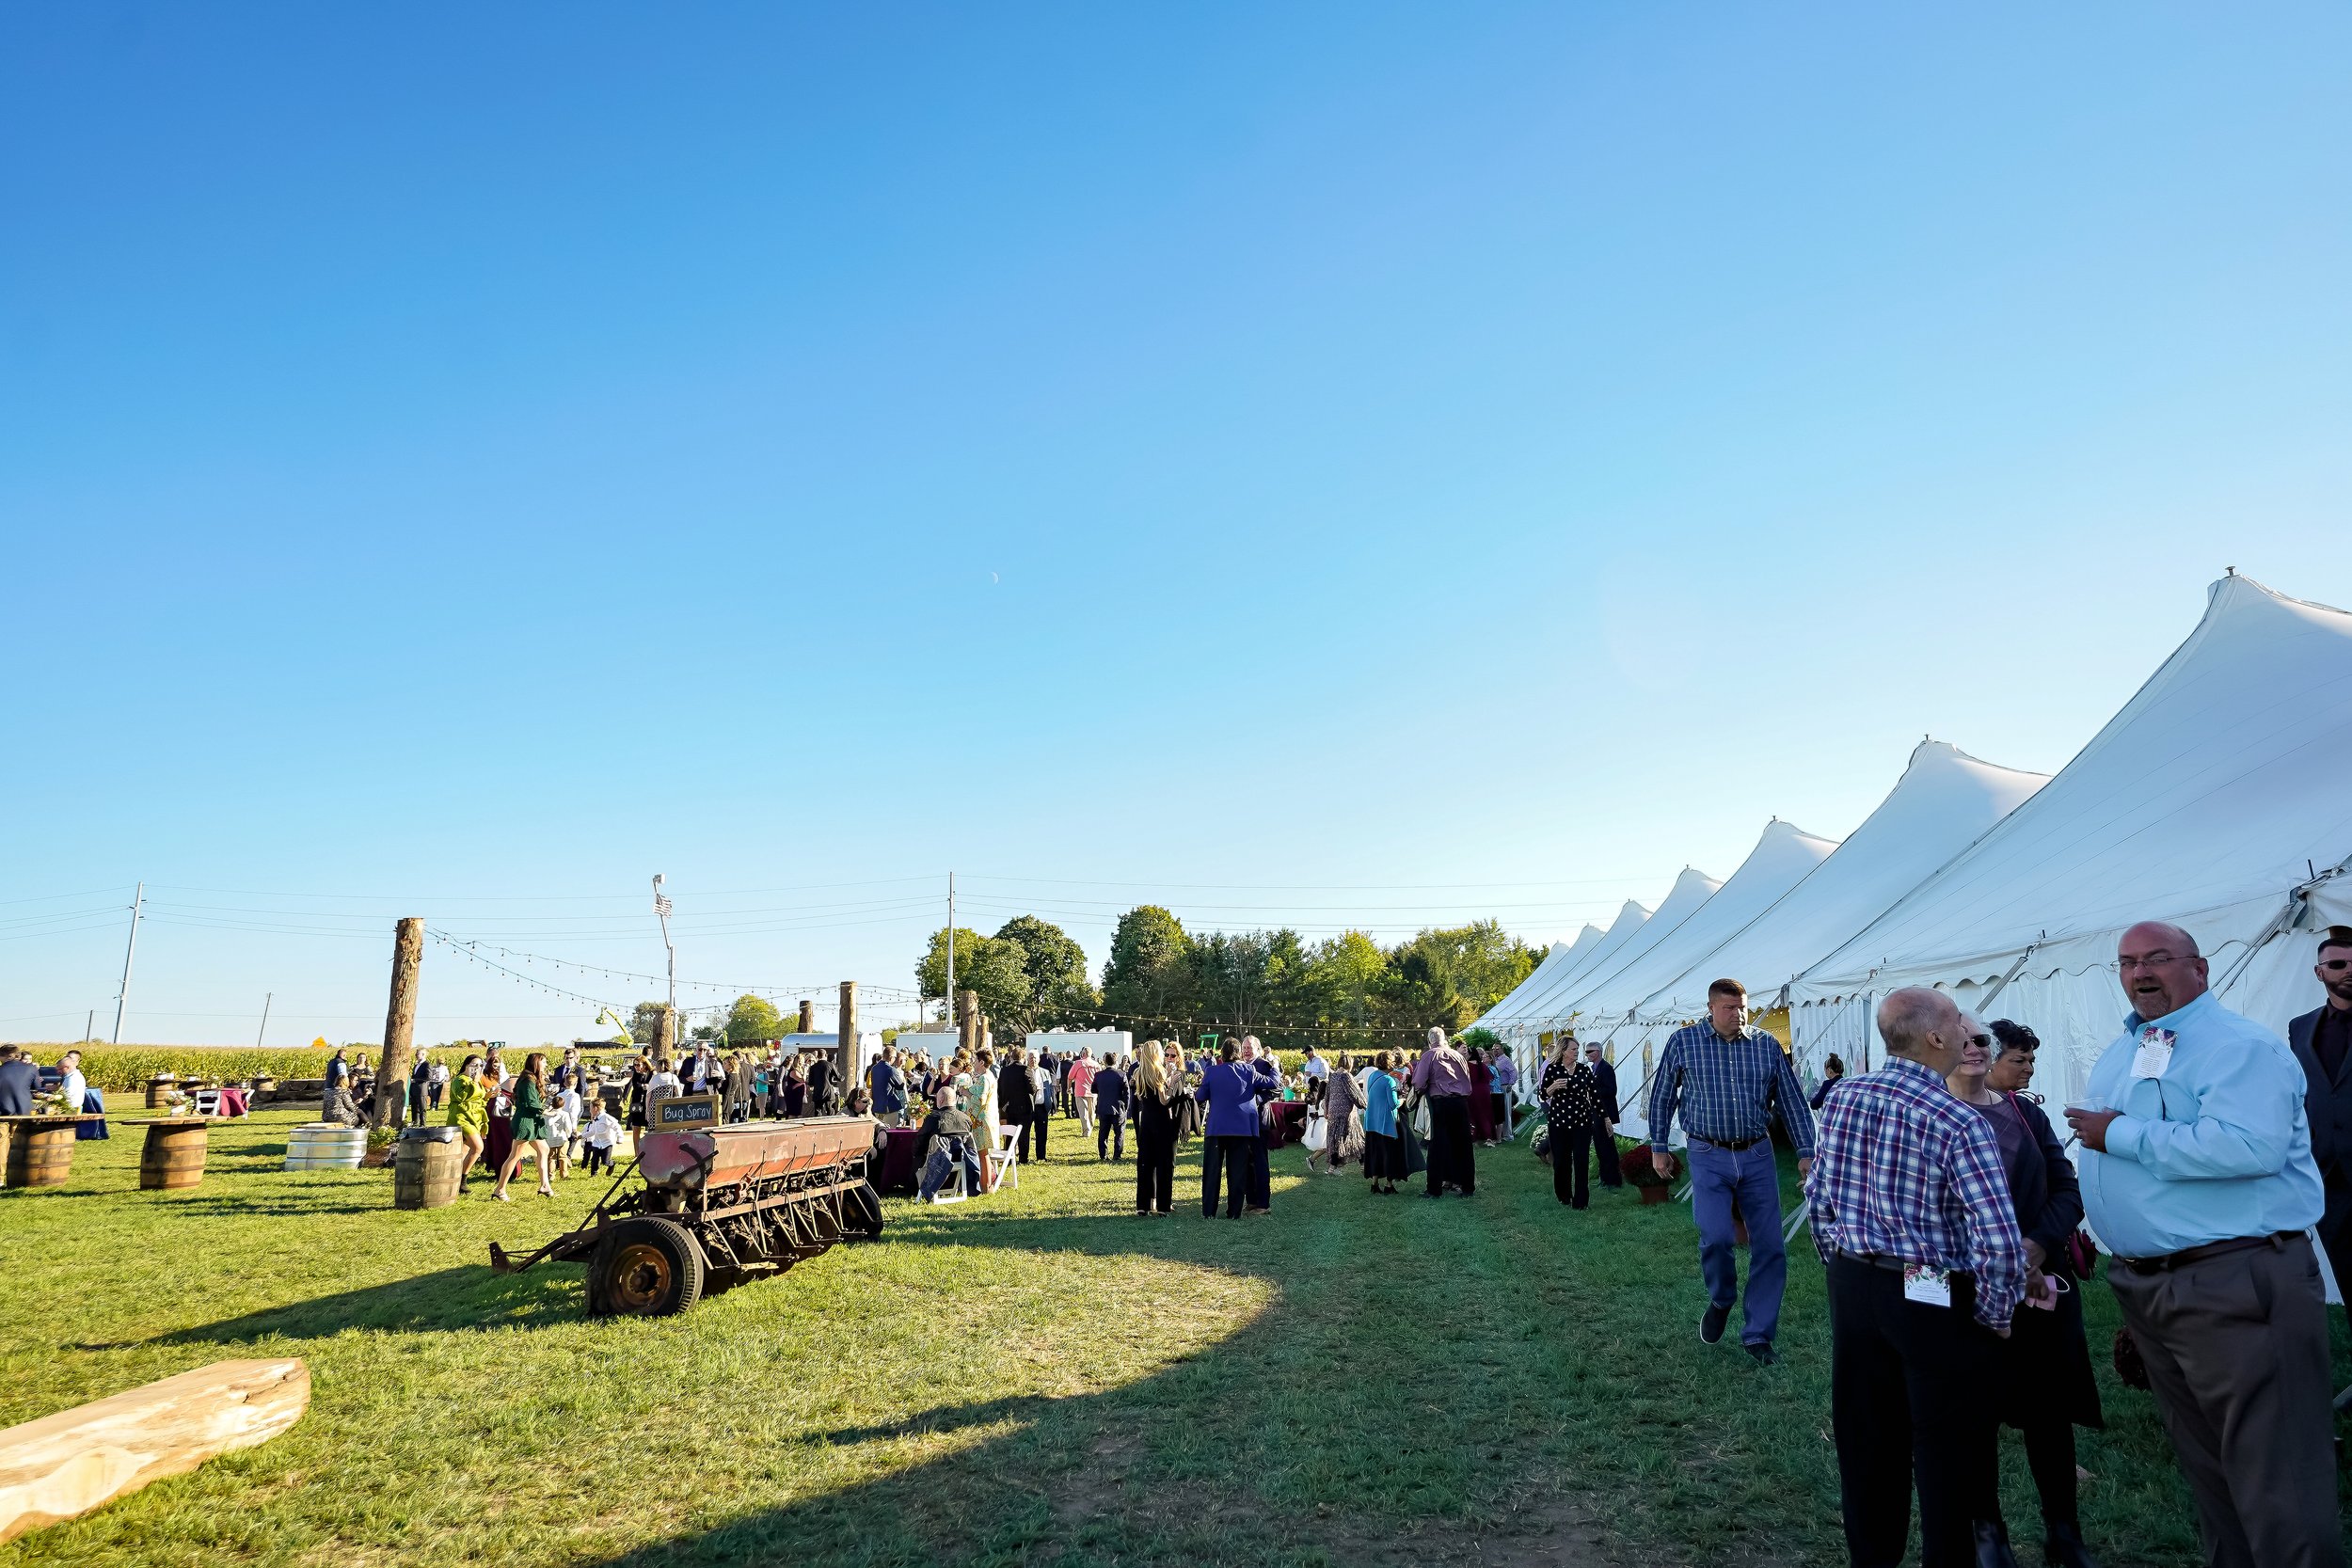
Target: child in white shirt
603 1132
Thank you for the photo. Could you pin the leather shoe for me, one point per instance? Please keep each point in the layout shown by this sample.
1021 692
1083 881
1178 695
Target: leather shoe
2063 1547
1993 1547
1763 1353
1711 1325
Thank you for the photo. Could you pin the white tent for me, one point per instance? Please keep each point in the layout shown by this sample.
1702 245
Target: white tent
1563 956
2216 799
1945 800
1690 893
1784 856
1534 1008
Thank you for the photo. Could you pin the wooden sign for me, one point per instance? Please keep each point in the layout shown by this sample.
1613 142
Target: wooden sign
686 1110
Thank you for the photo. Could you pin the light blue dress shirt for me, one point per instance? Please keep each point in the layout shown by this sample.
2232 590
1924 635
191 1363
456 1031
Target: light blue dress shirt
2216 1147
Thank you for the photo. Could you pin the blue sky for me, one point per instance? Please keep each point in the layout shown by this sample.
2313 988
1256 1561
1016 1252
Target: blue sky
1335 465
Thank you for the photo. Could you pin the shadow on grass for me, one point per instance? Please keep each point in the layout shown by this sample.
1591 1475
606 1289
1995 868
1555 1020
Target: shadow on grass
449 1300
1344 1423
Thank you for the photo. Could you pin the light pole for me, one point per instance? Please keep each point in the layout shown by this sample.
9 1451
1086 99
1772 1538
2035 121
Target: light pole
951 948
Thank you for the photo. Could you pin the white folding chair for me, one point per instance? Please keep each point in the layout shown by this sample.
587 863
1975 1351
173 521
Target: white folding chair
208 1103
1006 1165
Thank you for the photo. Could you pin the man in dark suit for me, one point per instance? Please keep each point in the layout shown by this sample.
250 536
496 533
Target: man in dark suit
2322 1042
1605 1128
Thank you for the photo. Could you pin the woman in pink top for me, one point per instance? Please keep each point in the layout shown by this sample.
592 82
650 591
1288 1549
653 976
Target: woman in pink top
1082 1085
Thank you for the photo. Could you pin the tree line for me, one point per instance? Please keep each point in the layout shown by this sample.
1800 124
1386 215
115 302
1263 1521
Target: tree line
1345 990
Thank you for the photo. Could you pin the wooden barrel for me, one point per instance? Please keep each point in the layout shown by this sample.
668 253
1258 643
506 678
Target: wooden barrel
425 1173
159 1092
41 1153
173 1155
324 1145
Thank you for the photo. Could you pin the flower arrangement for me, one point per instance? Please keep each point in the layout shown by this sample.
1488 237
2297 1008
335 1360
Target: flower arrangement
1633 1158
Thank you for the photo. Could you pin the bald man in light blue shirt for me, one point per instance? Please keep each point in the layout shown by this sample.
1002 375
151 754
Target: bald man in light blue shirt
2197 1173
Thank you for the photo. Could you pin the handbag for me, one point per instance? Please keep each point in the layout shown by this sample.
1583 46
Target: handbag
1421 1117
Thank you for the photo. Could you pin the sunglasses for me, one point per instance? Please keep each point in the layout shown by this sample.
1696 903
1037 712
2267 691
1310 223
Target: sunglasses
2335 966
1985 1041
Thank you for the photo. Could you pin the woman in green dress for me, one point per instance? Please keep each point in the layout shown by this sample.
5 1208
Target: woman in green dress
530 1090
469 1113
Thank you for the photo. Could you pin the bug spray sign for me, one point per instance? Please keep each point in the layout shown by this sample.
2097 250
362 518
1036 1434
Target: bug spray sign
686 1110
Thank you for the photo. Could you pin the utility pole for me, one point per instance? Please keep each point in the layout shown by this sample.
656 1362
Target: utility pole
951 945
267 997
90 1025
662 907
122 998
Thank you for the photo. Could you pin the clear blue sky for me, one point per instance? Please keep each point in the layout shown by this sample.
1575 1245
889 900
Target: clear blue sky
1327 463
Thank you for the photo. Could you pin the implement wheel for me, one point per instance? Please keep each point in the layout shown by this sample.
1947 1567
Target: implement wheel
647 1267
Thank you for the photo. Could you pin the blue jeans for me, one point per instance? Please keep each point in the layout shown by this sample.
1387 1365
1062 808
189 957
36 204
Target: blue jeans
1752 1176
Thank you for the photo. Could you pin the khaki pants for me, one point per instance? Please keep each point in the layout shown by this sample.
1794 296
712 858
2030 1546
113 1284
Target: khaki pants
2236 1347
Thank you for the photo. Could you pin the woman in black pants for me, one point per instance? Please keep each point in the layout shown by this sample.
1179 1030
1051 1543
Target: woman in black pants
1155 1092
2049 1389
1572 1110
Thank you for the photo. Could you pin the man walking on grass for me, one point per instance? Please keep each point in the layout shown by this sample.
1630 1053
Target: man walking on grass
1728 1080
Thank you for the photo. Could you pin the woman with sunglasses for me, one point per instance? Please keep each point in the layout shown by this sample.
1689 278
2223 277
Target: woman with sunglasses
2047 1389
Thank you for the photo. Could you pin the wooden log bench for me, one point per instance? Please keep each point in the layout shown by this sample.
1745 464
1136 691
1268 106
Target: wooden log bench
68 1463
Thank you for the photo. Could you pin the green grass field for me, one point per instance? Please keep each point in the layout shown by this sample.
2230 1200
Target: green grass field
1037 1378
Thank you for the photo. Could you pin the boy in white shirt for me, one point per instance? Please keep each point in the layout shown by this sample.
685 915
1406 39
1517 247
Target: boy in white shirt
603 1132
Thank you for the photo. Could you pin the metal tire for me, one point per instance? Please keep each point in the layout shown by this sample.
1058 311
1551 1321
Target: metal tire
646 1267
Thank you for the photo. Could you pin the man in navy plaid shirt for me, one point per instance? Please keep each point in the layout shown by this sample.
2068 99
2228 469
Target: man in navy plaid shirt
1728 1080
1912 1213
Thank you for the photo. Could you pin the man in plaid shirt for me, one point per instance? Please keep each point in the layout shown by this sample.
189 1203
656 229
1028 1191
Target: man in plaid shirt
1912 1213
1728 1080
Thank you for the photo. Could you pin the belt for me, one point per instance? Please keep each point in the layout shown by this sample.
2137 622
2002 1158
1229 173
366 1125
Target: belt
1899 1265
1730 1146
2186 1256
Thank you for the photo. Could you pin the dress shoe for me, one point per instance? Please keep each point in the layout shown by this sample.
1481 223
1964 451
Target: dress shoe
1711 1325
2063 1547
1993 1547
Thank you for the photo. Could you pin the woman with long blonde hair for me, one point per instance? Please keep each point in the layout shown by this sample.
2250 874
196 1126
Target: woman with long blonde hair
1158 1094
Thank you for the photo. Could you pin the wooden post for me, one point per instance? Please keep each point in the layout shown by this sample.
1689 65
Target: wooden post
665 1037
968 1019
849 1031
400 1024
808 1017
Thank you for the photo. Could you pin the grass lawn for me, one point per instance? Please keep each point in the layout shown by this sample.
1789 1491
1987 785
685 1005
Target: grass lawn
1037 1378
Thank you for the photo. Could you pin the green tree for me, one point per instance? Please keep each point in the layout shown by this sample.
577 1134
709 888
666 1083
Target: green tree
1059 989
1150 972
753 1018
991 969
1451 974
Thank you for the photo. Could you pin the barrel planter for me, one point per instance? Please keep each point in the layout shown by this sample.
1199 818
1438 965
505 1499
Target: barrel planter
325 1145
173 1155
264 1088
40 1152
159 1092
427 1169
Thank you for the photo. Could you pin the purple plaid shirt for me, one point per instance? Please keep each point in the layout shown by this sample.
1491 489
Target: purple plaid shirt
1904 1170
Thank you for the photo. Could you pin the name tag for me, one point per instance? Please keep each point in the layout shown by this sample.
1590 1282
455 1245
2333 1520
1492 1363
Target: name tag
2155 1054
1930 1286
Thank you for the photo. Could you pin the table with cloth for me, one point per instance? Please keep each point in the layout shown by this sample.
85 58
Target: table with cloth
1285 1122
898 1174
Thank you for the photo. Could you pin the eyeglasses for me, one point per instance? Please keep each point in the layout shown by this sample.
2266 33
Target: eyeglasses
2335 966
2152 960
1985 1041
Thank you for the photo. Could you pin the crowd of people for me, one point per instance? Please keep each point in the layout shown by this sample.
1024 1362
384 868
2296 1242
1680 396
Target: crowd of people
1950 1217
